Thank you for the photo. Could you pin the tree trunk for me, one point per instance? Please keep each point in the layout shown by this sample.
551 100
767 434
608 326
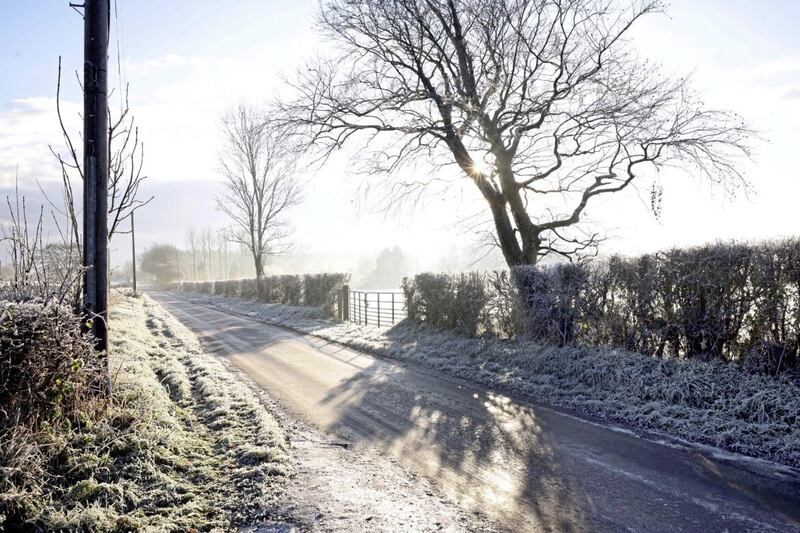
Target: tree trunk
506 236
259 263
520 244
509 237
527 238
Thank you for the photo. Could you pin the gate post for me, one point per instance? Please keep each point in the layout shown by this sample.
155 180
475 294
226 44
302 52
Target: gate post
344 303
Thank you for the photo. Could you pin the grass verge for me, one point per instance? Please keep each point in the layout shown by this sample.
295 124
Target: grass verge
182 445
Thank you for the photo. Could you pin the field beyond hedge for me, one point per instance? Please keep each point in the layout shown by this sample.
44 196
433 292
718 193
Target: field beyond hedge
181 446
712 403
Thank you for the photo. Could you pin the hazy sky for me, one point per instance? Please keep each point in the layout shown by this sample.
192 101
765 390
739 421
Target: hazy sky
187 61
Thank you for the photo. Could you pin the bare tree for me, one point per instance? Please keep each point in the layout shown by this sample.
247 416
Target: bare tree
539 103
192 240
206 245
257 164
125 157
222 252
46 271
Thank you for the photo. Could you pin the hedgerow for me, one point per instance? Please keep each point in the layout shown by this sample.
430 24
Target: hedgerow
448 301
319 290
48 368
728 302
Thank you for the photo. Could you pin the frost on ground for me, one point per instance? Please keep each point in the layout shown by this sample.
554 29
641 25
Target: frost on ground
182 446
708 403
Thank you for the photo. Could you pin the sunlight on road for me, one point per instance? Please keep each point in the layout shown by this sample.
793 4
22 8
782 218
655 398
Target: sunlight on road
477 452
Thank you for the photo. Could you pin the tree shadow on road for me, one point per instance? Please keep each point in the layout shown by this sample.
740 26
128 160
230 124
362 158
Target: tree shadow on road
483 450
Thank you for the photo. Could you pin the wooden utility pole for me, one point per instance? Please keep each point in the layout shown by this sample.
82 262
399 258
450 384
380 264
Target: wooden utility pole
133 251
95 168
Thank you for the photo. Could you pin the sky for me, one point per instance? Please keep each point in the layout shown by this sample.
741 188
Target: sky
189 61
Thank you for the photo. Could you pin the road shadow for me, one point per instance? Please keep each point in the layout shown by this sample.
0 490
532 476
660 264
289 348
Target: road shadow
481 448
529 467
537 469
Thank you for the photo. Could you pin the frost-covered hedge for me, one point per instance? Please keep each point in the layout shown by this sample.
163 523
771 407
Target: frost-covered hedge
319 290
180 445
730 302
48 368
286 289
473 304
448 301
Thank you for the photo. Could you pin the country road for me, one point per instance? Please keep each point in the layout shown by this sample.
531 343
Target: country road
528 467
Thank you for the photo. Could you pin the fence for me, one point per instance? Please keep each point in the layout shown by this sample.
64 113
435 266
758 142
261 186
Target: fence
377 308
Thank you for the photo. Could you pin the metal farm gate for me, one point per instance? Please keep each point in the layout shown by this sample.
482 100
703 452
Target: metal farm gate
377 308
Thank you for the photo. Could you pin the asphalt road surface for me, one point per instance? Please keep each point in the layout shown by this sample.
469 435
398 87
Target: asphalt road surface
528 467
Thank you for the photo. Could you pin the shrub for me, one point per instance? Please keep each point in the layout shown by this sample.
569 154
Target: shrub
286 289
203 287
48 368
729 302
234 289
219 288
550 301
289 289
321 290
503 312
152 457
248 288
448 301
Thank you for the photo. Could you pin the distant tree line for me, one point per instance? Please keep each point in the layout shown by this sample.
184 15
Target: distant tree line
208 255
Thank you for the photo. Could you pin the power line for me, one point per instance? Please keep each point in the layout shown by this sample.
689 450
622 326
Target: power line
119 40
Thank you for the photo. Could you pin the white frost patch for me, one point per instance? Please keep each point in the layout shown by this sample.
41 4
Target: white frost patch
636 477
753 463
610 427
